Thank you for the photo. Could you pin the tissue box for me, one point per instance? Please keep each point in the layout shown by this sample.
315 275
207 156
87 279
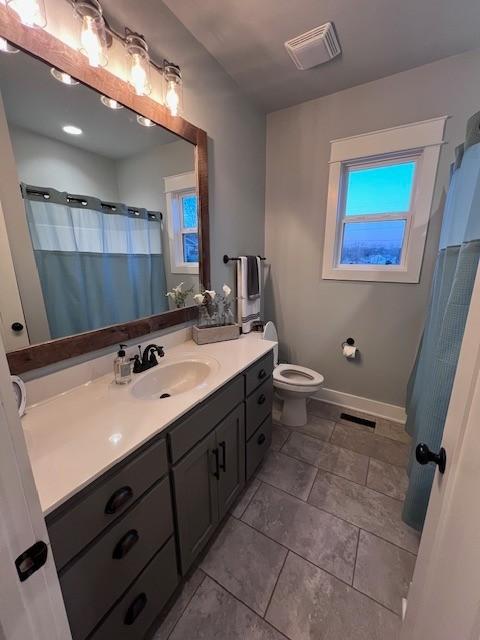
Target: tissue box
219 333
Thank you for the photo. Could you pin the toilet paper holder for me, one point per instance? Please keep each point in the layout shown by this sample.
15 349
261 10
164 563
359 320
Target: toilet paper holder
349 341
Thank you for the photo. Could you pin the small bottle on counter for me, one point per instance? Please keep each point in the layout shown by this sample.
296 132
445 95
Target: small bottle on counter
122 367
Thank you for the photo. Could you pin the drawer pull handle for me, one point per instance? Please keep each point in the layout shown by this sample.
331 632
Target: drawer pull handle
223 464
262 399
261 438
128 541
135 609
262 374
118 500
216 473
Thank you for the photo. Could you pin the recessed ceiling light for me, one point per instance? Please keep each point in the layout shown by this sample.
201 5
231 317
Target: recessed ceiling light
72 130
6 47
63 77
145 122
110 103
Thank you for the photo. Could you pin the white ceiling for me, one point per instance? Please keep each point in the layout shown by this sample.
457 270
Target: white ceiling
34 100
378 38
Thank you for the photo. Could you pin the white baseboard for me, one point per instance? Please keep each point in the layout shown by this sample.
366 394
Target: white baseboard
379 409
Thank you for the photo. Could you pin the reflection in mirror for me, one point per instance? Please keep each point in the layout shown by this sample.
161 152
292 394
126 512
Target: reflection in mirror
98 210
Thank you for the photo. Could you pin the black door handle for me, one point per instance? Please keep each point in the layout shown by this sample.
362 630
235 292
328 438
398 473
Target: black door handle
261 399
262 374
17 327
135 609
424 456
122 547
216 473
118 499
223 464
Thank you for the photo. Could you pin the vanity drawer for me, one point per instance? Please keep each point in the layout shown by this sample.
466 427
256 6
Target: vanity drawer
258 373
72 527
99 576
140 606
199 422
258 446
259 406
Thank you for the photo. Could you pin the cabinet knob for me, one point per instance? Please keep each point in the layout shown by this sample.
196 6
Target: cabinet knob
261 399
261 438
118 500
17 327
262 374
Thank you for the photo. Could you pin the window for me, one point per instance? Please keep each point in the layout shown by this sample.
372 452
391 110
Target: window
379 200
182 216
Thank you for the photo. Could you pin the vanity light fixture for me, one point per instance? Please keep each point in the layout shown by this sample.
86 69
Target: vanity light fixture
173 88
6 47
72 130
93 34
145 122
31 12
138 62
110 103
63 77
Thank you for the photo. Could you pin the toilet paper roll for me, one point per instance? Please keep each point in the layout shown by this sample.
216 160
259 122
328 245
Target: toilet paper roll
349 351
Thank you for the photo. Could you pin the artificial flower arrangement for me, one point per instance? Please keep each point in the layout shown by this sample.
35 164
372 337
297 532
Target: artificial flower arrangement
215 322
179 296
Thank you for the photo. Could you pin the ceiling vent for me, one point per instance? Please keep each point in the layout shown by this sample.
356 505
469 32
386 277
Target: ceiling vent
314 47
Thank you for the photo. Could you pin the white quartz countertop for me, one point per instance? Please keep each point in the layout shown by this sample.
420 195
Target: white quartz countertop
74 437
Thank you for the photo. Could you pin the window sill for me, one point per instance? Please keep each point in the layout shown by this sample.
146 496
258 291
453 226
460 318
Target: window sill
398 274
185 268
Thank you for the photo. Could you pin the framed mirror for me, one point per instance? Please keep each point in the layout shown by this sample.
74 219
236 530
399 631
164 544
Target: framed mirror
103 206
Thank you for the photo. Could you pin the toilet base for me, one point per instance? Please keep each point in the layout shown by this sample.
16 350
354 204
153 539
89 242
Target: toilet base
294 411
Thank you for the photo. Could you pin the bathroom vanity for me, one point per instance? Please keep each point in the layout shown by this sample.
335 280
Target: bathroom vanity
123 542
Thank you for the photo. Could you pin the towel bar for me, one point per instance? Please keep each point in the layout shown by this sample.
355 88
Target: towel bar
226 259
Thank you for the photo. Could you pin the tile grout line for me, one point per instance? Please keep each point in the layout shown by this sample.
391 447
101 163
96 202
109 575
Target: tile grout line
245 604
334 515
186 606
275 585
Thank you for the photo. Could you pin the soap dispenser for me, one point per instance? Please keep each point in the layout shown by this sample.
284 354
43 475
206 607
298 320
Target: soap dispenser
122 367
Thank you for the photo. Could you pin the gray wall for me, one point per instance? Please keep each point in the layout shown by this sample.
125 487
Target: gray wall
313 315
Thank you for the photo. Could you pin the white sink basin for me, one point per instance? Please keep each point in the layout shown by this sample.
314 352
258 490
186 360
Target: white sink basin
173 378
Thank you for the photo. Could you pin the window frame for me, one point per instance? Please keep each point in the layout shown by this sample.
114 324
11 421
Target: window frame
419 141
176 187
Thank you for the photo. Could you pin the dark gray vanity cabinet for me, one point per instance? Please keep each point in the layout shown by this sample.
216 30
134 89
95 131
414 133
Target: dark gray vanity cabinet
117 542
206 483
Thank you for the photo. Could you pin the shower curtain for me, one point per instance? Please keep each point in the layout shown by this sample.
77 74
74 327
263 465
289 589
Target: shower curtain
432 378
99 263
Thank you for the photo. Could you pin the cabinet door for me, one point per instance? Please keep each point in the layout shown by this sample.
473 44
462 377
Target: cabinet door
196 499
230 435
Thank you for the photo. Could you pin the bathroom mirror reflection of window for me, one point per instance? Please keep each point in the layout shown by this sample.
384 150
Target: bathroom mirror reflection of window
88 236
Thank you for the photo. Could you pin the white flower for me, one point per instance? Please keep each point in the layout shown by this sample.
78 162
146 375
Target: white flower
178 289
212 294
226 290
170 294
198 297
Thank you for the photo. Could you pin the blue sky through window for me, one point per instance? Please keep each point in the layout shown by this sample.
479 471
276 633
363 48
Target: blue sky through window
384 189
189 209
373 242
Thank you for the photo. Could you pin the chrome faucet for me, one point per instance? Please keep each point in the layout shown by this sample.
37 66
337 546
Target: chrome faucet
147 360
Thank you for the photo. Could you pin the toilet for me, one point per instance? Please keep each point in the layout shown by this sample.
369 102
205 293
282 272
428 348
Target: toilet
293 384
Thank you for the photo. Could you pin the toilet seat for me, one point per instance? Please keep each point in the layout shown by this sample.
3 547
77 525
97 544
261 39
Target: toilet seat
288 376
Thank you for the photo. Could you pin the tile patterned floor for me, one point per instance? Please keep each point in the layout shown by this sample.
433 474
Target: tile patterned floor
315 548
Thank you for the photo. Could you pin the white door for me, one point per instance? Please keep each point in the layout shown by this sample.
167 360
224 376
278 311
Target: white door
444 598
11 310
33 609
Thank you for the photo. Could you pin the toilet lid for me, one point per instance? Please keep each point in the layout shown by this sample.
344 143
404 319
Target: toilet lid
270 333
297 376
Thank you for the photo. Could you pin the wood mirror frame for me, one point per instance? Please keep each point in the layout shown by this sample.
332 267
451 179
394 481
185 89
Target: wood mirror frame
48 49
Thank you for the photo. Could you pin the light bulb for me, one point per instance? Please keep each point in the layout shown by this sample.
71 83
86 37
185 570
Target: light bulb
145 122
6 47
138 75
63 77
90 42
172 99
110 103
30 12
